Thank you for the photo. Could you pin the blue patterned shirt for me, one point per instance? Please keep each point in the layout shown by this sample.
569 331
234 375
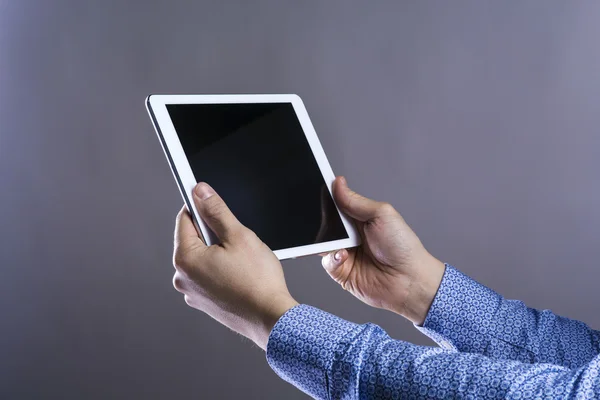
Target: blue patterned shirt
490 348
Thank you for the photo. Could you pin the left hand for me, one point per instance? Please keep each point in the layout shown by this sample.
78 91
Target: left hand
238 282
391 269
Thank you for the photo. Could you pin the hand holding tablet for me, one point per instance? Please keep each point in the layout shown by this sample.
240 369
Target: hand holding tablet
262 155
272 199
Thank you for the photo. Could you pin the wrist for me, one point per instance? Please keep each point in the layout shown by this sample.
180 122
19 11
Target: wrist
423 288
268 317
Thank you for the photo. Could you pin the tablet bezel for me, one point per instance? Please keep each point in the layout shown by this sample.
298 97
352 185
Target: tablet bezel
182 171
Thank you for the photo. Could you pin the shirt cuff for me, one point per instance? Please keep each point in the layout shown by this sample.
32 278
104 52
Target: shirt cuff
302 346
462 313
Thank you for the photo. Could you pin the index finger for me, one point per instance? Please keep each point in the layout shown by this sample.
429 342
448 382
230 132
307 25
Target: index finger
186 234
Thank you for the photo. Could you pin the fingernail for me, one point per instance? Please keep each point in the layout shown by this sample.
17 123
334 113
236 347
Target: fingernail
204 191
338 255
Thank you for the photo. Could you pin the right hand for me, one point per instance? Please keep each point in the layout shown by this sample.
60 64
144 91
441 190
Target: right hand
391 269
239 282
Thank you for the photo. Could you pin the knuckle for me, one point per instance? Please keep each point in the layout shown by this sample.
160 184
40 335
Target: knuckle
215 209
245 236
353 199
386 208
353 196
178 282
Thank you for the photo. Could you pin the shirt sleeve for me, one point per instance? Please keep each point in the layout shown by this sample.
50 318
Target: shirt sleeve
469 317
330 358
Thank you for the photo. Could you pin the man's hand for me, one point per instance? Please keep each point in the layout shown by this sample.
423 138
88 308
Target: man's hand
238 282
391 269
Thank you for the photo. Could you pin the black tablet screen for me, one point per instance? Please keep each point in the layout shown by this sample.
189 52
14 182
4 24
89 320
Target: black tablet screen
257 158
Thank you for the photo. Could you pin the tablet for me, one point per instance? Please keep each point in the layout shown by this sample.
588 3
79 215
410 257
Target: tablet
262 155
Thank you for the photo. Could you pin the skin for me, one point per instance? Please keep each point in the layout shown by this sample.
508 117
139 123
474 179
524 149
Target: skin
391 269
240 282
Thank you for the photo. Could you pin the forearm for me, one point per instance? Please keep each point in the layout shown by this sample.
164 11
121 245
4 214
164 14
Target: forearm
328 357
470 317
548 337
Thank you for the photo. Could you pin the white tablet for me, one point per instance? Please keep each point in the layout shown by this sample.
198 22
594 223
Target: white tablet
262 155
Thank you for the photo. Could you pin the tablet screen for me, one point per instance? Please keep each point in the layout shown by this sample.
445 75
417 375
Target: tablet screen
258 159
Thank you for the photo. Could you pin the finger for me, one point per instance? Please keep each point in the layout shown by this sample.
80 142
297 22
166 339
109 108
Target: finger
353 204
327 206
179 282
215 212
327 210
332 261
186 234
324 193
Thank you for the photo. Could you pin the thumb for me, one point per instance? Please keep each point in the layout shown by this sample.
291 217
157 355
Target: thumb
332 263
215 212
353 204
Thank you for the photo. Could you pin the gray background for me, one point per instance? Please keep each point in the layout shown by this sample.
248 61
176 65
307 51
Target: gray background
478 120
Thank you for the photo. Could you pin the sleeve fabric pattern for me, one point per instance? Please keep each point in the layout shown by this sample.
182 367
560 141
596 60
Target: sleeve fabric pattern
330 358
469 317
